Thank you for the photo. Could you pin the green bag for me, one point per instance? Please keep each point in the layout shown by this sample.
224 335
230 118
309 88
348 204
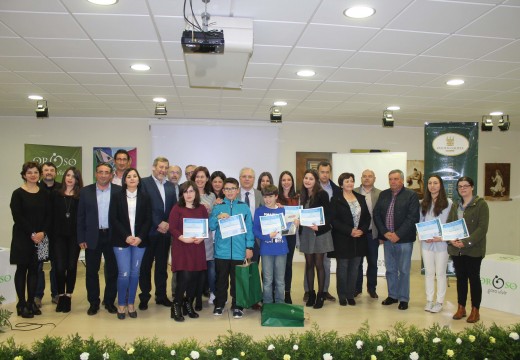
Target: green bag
282 315
248 289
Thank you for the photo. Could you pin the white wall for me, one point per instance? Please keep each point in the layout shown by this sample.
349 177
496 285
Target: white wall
504 232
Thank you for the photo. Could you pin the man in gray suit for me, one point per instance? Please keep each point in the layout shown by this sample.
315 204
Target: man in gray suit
251 197
368 178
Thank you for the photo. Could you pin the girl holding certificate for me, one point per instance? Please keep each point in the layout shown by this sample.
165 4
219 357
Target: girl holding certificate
188 253
315 240
467 254
435 251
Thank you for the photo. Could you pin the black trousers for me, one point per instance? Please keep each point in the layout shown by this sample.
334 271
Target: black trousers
65 261
157 250
467 268
187 282
93 263
26 275
291 242
225 270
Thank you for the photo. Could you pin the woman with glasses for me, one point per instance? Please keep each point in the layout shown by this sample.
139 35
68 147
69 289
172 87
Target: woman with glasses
467 253
188 253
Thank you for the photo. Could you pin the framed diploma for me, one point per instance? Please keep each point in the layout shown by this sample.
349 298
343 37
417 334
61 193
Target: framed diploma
312 216
272 223
195 228
429 229
455 230
231 226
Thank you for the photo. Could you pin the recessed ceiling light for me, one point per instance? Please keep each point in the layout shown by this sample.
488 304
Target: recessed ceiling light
359 12
140 67
103 2
393 108
280 103
306 73
35 97
455 82
159 99
496 113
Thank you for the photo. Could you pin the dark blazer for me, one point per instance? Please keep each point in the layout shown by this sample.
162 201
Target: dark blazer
160 211
320 199
346 246
336 190
120 223
406 214
88 219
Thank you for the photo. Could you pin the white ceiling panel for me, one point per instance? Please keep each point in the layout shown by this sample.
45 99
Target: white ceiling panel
264 54
262 70
28 64
358 75
12 78
170 27
510 52
467 47
76 48
291 84
407 78
335 37
43 25
147 80
486 69
318 57
84 65
17 47
130 49
505 18
98 79
118 27
273 10
379 61
47 77
403 42
276 33
433 65
157 67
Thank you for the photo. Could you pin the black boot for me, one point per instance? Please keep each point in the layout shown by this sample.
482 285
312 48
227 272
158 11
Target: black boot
23 311
188 307
288 299
312 298
34 309
61 303
319 301
66 304
176 312
198 303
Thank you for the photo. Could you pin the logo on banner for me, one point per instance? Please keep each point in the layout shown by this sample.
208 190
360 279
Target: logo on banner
450 144
498 285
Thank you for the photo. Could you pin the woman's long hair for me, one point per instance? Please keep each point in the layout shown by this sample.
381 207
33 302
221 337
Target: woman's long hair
304 194
292 191
184 187
222 176
77 186
207 185
125 174
259 183
442 200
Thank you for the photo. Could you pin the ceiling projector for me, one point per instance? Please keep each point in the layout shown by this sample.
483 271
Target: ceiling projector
208 42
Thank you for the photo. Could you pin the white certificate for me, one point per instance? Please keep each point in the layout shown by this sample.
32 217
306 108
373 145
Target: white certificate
292 213
429 229
312 216
231 226
195 228
455 230
272 223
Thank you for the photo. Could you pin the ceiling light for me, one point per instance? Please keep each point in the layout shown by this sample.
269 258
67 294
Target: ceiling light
275 114
388 118
159 99
306 73
496 113
280 103
503 123
103 2
140 67
455 82
359 12
42 111
393 108
487 123
35 97
160 110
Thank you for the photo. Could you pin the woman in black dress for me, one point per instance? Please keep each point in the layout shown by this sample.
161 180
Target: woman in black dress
63 242
30 207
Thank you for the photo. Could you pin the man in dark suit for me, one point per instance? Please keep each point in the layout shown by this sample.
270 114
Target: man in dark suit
371 193
395 215
162 197
94 237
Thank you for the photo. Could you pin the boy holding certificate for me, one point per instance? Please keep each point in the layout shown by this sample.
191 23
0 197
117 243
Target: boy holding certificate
234 240
267 226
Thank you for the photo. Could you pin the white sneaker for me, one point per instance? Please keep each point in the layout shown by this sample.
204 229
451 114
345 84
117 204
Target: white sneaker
428 306
211 298
436 308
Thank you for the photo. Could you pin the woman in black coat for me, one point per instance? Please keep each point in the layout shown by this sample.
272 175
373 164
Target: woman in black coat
350 222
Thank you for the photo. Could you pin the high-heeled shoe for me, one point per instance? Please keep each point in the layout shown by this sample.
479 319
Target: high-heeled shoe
312 298
188 306
176 312
320 299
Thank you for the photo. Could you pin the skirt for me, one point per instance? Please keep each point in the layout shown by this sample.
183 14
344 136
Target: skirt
312 244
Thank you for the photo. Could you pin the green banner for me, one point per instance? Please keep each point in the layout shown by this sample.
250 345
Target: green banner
61 156
451 151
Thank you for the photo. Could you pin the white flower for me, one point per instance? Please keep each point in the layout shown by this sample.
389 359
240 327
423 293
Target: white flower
194 354
400 340
327 356
414 356
106 356
84 356
172 353
379 348
219 352
234 359
19 357
514 336
295 347
287 357
373 357
130 351
492 340
270 347
471 338
242 353
359 344
450 353
436 340
458 341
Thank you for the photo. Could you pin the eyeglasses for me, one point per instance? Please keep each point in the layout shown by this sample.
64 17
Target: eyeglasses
463 186
230 189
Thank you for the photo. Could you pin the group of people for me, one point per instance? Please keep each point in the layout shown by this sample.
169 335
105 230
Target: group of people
134 222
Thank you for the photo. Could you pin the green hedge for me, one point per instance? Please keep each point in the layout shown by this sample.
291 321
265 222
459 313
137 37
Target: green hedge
401 342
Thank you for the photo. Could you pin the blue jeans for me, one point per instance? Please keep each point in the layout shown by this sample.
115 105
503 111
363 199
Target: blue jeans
40 287
128 265
398 259
212 275
372 255
273 268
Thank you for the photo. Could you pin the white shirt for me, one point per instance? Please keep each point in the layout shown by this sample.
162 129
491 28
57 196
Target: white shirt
131 198
252 201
